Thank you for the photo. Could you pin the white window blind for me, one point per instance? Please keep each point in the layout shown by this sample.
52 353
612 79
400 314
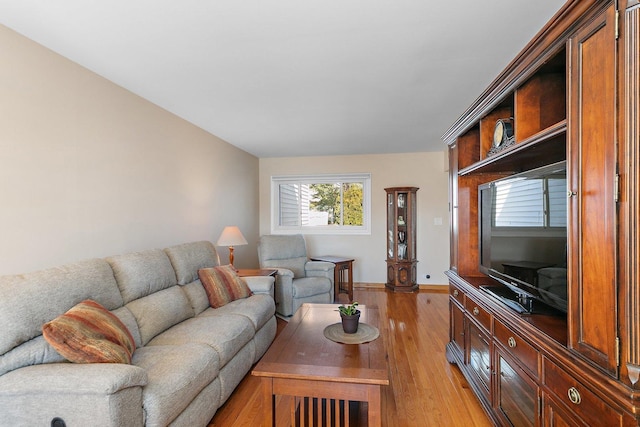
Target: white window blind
557 202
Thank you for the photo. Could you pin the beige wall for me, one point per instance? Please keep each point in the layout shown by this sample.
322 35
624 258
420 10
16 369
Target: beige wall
88 169
424 170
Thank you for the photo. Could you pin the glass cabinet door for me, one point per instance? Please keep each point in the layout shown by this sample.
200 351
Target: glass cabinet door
517 394
480 355
391 241
401 203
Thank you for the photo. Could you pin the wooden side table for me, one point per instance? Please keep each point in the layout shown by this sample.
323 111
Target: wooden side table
342 275
246 272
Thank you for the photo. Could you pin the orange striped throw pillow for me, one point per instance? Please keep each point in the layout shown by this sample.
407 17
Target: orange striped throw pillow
89 333
223 285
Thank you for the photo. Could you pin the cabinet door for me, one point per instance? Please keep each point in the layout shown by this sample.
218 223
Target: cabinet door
391 226
555 416
517 395
453 207
480 357
592 202
457 325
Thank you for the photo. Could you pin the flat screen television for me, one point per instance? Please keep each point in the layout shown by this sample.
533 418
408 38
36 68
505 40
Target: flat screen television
523 238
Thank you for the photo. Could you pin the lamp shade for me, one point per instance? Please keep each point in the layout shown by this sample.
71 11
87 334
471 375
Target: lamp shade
231 236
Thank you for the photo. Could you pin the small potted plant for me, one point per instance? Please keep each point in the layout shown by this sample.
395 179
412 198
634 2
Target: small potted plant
350 317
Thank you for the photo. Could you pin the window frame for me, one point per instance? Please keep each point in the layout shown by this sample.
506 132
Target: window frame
364 178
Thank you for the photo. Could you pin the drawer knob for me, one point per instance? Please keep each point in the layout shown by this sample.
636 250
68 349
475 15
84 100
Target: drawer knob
476 311
574 395
455 292
512 342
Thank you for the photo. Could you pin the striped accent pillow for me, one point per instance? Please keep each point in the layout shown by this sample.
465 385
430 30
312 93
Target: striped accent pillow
89 333
223 285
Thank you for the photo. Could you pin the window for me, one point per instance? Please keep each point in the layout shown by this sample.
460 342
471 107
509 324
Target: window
321 204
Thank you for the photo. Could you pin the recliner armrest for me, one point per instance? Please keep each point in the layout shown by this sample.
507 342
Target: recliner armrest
320 269
319 266
285 272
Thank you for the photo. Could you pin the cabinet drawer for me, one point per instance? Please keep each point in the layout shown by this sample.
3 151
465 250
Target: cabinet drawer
457 294
578 398
521 350
478 313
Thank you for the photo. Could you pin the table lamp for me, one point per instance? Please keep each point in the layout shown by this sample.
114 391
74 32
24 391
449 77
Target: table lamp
231 236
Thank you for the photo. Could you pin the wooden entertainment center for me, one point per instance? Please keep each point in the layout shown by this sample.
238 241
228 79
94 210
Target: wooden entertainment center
572 94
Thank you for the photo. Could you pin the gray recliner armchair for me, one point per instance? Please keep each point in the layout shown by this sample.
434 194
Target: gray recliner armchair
299 280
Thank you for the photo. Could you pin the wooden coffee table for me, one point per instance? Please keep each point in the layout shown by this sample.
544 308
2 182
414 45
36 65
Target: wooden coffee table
322 376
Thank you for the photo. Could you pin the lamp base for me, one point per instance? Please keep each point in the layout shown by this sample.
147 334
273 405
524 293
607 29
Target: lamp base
231 257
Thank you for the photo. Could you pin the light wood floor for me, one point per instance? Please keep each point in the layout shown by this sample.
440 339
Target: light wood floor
424 390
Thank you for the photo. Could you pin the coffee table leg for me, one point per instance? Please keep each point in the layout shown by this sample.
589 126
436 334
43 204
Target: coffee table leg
268 402
375 406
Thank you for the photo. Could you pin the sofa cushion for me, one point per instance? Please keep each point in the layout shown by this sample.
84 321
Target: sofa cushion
225 334
27 301
197 296
223 285
142 273
309 286
34 352
126 316
201 409
233 372
257 308
160 311
177 374
188 258
89 333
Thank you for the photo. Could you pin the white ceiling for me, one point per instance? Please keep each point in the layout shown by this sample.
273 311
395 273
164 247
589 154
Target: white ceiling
295 77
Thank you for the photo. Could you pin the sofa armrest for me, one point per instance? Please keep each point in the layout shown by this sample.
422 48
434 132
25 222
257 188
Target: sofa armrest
284 291
261 284
72 378
80 394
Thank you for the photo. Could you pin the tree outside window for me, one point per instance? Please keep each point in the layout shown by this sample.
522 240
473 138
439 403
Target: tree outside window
342 201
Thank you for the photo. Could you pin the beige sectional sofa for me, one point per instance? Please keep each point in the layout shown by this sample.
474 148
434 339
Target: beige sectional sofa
189 357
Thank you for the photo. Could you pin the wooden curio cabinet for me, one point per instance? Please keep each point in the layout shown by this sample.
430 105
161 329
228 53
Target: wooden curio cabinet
401 239
572 97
